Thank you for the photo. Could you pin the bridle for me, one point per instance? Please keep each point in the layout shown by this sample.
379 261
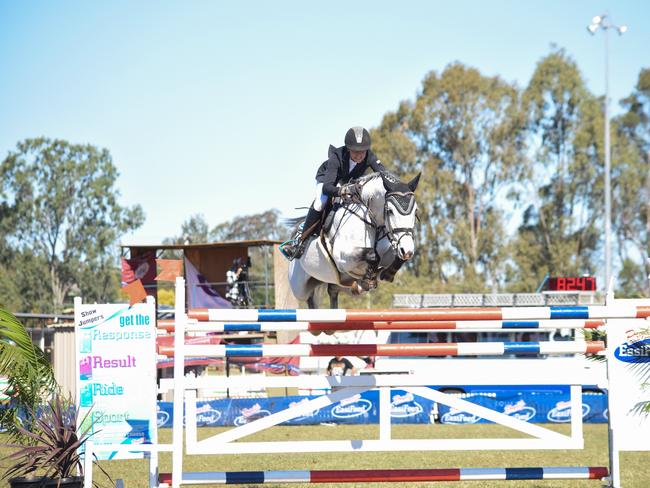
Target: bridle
403 202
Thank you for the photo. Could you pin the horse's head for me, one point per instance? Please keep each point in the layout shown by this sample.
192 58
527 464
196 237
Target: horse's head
399 214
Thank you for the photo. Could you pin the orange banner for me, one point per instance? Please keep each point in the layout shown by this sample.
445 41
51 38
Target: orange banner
135 291
170 269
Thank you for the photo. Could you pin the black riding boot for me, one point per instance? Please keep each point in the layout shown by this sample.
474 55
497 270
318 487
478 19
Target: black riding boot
312 220
310 227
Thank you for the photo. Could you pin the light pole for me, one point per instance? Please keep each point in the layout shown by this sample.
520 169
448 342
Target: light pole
603 22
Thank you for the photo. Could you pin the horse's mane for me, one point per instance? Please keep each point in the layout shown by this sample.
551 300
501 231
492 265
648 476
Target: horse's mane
293 222
373 176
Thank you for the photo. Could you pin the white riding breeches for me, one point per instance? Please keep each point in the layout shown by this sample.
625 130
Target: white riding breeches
320 200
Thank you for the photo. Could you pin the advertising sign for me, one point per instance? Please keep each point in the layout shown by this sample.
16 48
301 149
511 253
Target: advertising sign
116 367
628 352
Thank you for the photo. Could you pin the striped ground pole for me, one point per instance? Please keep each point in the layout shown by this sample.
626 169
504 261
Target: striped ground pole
168 325
435 349
621 311
389 475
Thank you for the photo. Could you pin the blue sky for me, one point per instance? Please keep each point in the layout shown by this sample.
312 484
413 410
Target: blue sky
227 108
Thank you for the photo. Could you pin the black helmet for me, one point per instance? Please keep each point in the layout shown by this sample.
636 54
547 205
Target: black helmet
357 139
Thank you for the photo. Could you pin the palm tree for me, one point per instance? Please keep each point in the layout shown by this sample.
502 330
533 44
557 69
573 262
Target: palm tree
28 371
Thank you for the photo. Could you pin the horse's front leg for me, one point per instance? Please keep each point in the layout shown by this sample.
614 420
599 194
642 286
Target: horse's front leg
372 258
333 292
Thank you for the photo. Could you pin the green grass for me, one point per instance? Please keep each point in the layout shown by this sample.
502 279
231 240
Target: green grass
635 466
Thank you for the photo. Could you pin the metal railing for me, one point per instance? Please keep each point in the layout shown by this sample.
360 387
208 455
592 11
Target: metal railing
496 299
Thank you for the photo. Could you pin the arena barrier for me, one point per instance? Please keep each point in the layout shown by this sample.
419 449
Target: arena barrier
624 314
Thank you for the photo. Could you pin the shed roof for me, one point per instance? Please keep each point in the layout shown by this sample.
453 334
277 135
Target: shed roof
208 245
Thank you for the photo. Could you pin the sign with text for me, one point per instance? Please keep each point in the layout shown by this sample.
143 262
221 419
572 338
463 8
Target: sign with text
116 368
628 354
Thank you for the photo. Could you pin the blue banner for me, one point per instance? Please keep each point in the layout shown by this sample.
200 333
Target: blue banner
406 408
530 407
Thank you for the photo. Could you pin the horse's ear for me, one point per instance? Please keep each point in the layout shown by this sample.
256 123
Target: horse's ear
388 184
413 184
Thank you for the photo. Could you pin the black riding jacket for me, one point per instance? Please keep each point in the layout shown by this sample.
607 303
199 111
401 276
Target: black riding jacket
337 169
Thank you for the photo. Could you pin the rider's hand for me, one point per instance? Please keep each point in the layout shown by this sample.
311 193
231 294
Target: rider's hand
348 191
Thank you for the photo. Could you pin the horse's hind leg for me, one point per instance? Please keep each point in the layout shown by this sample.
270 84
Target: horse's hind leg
333 292
311 301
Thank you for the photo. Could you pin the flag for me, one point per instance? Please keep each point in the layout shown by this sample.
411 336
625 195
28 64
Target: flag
136 292
199 292
170 269
141 268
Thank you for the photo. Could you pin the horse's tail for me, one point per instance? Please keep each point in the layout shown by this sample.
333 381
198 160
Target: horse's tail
293 222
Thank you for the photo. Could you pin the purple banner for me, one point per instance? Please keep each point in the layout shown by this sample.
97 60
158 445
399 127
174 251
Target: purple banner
199 292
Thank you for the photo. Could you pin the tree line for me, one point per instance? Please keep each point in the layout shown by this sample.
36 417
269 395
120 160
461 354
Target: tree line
512 189
490 151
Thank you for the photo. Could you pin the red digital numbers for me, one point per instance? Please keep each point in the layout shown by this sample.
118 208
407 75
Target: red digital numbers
583 283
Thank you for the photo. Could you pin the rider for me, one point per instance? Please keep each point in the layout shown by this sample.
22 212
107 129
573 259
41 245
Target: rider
344 163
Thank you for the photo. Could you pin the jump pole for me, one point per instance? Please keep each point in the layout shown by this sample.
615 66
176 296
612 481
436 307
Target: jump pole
390 475
617 311
393 350
446 325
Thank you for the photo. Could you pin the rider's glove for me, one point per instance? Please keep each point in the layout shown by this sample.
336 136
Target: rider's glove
348 191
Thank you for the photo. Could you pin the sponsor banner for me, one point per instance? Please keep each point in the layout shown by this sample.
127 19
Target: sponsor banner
537 407
116 371
358 409
628 357
406 408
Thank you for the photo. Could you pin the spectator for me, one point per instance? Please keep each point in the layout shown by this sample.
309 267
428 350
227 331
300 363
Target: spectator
340 366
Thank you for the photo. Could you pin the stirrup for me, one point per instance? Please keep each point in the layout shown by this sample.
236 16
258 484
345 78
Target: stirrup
288 248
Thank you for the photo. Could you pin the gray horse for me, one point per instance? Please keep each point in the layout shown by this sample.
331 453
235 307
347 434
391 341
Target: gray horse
369 237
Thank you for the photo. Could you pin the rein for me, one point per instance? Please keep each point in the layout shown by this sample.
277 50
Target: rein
402 201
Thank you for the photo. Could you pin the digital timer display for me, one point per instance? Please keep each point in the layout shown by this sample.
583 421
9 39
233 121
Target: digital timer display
561 283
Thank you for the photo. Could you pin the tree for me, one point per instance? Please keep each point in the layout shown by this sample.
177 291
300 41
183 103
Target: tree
559 232
193 231
465 133
631 188
262 226
22 286
62 206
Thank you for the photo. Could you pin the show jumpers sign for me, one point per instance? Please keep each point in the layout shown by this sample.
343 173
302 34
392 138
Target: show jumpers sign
116 373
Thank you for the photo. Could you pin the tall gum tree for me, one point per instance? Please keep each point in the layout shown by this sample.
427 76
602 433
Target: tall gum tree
464 131
559 232
631 189
65 212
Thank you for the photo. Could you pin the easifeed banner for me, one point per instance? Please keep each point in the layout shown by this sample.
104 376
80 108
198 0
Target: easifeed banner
538 407
116 367
406 408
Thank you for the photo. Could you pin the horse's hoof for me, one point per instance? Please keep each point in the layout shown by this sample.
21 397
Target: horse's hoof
368 285
356 288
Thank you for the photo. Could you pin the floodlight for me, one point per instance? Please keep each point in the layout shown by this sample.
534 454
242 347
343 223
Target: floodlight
604 21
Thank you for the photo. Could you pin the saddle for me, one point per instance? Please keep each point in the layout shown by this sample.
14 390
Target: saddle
325 245
329 218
